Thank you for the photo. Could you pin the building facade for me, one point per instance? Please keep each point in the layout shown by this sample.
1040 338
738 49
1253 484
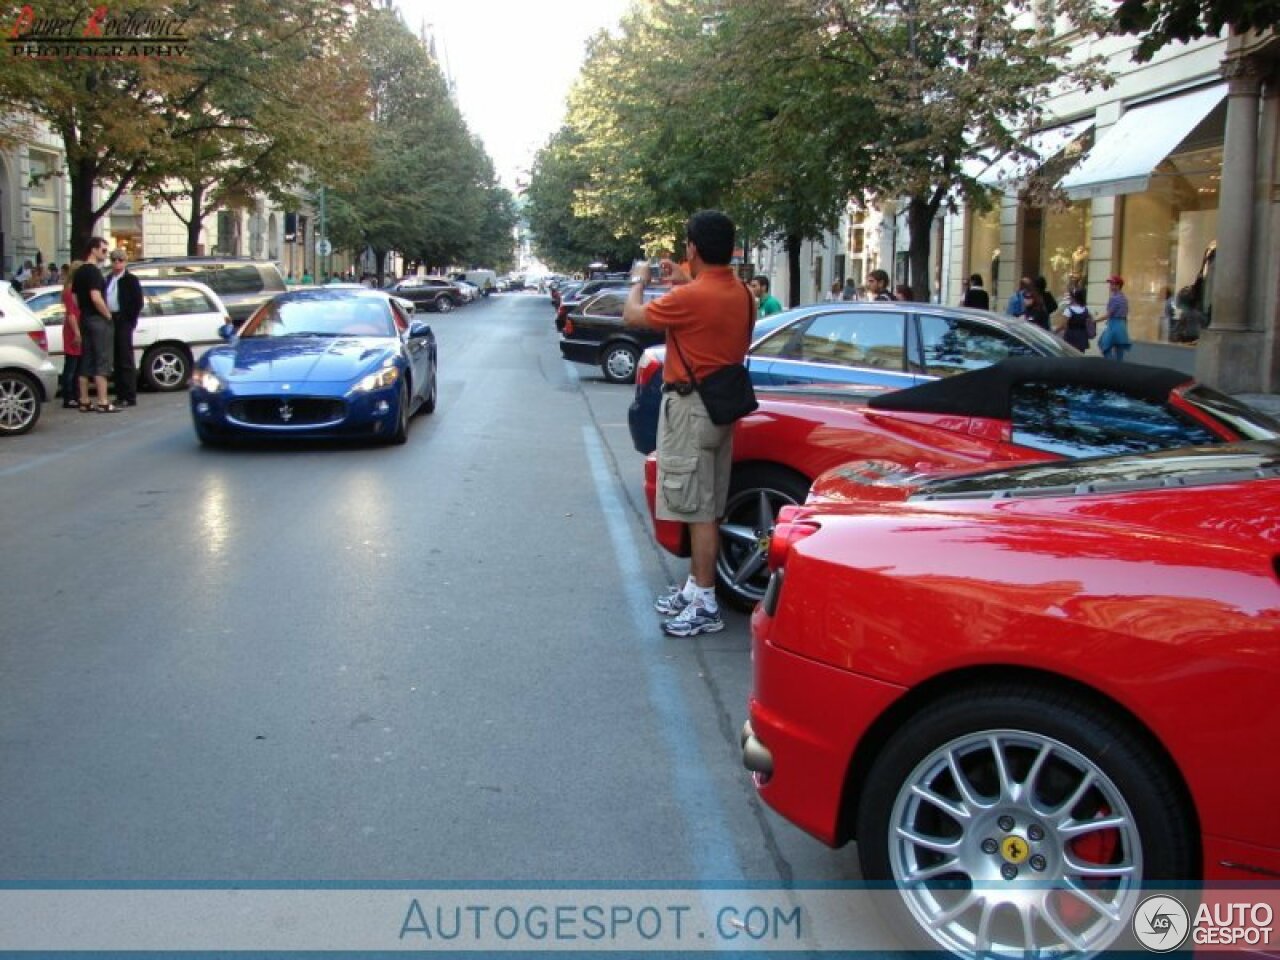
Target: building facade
1169 179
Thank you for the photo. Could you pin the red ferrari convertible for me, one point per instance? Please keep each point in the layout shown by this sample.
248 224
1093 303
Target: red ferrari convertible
1022 409
1030 695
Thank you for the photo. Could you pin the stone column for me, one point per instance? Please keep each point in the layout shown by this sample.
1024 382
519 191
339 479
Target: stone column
1228 355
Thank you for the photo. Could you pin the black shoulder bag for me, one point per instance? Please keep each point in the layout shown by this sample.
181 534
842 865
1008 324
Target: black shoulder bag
727 392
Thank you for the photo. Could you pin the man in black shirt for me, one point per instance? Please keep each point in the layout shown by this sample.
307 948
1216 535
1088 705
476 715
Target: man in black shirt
89 289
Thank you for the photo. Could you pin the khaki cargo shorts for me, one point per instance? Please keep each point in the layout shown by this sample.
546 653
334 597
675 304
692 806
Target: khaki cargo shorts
694 460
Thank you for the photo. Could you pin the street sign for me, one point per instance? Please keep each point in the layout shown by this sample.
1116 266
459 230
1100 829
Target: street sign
323 247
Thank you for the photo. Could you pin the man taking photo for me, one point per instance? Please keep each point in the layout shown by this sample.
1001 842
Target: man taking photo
707 316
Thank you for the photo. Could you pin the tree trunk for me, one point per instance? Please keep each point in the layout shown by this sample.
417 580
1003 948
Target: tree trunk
920 216
196 220
82 174
793 269
380 259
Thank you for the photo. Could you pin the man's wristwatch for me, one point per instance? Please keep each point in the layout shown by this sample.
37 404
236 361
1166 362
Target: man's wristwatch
635 280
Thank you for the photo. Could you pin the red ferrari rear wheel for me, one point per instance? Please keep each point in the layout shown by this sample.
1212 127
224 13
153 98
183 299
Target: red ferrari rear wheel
1021 821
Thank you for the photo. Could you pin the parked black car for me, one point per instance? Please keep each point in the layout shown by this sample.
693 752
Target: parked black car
243 284
593 334
570 299
439 294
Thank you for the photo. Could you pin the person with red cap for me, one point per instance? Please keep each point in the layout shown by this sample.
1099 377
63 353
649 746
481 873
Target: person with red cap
1114 342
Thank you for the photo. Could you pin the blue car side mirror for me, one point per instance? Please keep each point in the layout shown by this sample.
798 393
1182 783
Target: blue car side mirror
226 331
419 329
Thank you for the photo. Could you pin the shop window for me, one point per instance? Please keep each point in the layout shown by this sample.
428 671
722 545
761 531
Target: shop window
983 254
1166 235
1064 246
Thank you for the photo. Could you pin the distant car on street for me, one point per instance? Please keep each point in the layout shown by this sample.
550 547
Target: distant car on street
180 320
1023 409
318 363
436 294
1032 696
877 344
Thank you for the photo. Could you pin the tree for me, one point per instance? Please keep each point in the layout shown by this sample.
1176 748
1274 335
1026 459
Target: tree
561 238
127 121
428 189
251 122
955 85
1166 21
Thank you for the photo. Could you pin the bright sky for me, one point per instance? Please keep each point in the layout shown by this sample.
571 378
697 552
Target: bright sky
512 63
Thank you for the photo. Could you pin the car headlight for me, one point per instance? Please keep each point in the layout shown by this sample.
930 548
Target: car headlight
380 379
206 380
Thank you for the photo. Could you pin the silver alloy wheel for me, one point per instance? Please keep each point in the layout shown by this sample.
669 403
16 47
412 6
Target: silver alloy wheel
19 404
620 364
167 369
1011 843
444 304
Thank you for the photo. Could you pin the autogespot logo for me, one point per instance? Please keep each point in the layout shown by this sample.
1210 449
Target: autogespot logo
1161 923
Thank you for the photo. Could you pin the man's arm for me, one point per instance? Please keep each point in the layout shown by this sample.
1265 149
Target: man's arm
633 312
100 302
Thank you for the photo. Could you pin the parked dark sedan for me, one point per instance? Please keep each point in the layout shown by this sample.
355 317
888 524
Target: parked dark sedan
438 294
877 344
594 334
573 297
318 363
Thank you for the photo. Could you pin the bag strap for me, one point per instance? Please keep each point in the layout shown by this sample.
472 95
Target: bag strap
688 368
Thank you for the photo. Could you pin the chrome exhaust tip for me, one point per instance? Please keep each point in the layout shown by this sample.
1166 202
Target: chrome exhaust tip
755 755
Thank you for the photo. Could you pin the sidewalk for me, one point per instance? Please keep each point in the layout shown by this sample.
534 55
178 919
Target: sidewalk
1183 358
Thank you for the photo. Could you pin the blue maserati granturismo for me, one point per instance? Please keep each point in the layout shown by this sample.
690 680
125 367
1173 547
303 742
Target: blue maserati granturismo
326 362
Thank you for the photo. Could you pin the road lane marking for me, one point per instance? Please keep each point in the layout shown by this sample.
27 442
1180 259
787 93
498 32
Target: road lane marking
705 822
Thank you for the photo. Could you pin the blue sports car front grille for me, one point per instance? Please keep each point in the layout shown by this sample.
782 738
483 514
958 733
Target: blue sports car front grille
286 411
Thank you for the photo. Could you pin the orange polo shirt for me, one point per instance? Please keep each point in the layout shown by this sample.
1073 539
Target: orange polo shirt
710 317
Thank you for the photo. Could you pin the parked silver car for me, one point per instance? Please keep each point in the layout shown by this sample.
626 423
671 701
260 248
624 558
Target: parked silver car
28 378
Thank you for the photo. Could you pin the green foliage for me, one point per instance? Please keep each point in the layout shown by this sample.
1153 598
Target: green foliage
562 239
782 111
1166 21
428 189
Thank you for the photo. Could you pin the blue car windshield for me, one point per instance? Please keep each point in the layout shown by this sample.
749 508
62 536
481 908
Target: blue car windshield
336 317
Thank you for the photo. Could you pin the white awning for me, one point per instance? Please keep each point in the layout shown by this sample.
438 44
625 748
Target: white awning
1124 157
1046 144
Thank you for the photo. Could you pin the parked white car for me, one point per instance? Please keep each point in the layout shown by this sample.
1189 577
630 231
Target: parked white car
28 378
179 323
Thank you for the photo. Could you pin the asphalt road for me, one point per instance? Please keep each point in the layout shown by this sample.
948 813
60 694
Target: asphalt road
429 663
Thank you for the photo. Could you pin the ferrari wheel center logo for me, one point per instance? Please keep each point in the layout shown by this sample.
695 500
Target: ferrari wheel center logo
1015 849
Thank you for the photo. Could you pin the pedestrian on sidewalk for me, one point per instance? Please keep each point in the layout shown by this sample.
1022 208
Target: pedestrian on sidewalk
71 349
708 316
769 304
125 300
974 294
1076 321
95 327
878 286
1114 342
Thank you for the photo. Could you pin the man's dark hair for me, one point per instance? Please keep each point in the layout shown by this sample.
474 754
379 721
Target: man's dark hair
975 280
712 233
94 243
761 279
880 276
1041 283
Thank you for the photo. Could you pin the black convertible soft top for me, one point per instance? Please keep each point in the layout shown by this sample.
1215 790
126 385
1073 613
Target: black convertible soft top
986 392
